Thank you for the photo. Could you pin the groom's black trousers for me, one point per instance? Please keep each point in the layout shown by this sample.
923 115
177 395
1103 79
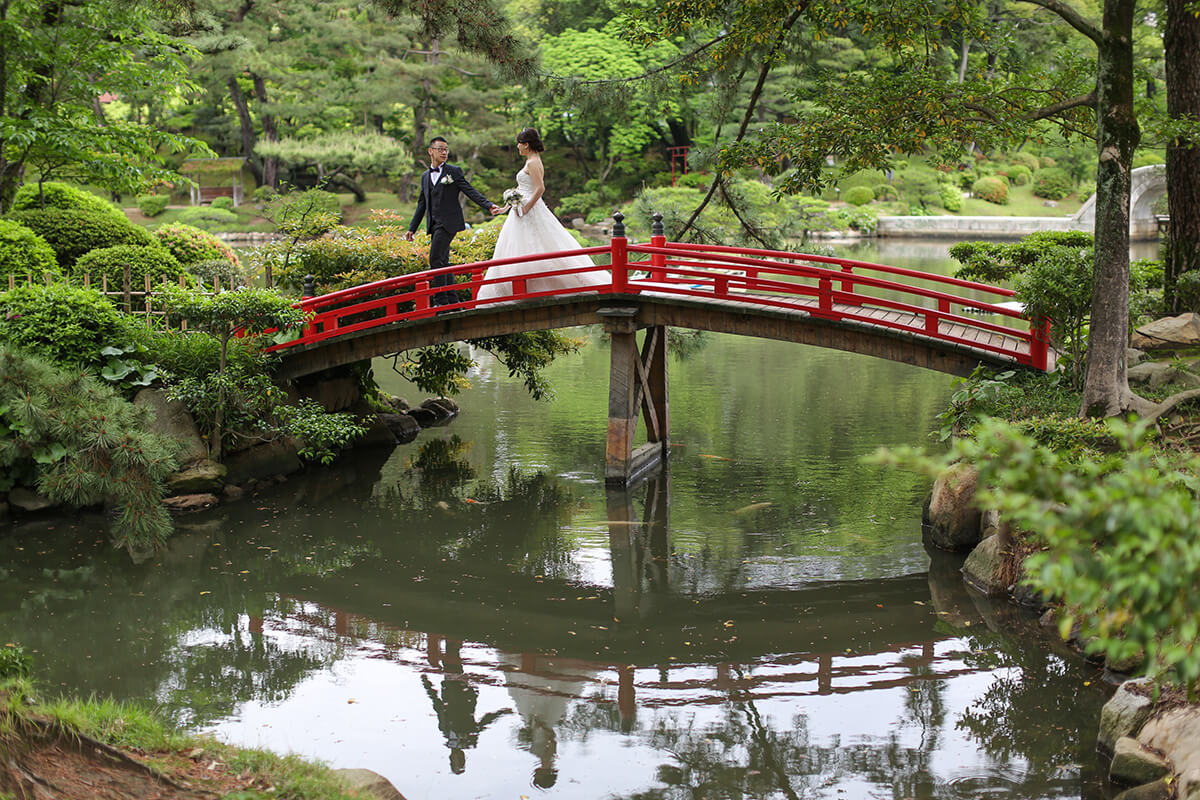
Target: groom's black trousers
439 256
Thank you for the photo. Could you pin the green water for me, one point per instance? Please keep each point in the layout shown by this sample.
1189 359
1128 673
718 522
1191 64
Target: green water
475 615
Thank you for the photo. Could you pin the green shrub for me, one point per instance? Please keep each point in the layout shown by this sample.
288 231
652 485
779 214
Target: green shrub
858 195
152 204
579 204
1187 289
54 194
951 197
1145 274
1019 174
191 245
1052 183
223 203
64 324
1086 189
289 209
73 233
1027 160
991 188
14 662
693 180
23 252
155 263
263 194
207 217
885 191
1046 162
81 444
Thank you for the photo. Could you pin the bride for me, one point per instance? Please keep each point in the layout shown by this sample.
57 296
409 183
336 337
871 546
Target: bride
532 228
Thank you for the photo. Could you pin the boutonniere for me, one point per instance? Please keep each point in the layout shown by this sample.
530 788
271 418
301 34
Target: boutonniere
446 178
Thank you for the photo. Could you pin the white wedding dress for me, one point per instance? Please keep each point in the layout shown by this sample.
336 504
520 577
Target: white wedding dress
539 231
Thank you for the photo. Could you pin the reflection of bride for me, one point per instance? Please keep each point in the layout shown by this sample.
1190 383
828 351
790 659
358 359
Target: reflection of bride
532 228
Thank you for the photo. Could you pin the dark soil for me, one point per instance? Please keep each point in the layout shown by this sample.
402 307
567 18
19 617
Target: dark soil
43 762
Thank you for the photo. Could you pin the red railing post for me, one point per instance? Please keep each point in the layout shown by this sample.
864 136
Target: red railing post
847 285
932 320
1039 344
422 299
658 238
476 279
825 294
620 255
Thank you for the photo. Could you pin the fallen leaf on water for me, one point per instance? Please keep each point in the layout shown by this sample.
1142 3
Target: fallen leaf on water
206 593
718 458
470 500
752 507
918 602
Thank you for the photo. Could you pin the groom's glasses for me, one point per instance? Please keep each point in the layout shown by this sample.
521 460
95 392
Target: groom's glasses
441 149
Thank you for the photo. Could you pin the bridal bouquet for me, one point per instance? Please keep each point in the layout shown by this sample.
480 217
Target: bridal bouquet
514 198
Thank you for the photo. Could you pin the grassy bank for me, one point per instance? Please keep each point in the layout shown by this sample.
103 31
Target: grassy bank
104 749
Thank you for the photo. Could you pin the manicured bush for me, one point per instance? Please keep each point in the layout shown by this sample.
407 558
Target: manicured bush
23 252
1018 174
223 203
191 245
263 195
54 194
66 324
72 233
207 217
1046 162
155 263
152 204
951 197
347 256
991 188
885 191
1052 183
1027 160
858 195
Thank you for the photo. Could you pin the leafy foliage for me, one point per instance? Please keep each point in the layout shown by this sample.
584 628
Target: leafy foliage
991 188
1053 183
1187 290
190 245
206 217
56 60
1117 536
72 233
64 324
56 194
83 445
152 204
24 253
859 195
323 433
155 263
244 310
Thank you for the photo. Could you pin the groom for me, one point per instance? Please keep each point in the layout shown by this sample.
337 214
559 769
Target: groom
440 187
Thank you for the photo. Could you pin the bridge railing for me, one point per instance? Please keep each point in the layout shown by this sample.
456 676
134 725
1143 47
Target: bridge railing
827 287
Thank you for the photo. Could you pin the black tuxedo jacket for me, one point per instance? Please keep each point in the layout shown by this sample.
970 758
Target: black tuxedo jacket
438 203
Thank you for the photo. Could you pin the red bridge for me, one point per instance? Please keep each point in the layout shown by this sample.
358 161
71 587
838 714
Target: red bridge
932 321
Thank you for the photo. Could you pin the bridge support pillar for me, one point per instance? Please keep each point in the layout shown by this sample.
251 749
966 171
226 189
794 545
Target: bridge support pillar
637 386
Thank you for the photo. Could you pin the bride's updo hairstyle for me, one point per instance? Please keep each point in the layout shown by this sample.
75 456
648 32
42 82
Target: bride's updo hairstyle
530 137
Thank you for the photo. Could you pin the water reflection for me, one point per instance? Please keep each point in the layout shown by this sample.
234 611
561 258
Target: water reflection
481 639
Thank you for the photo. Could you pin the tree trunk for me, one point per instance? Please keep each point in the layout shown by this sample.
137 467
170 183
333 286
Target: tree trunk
1181 44
270 133
1106 385
247 127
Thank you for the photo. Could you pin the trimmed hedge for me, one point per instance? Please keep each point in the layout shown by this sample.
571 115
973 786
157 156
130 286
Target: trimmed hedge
54 194
66 324
1052 183
858 195
1019 174
991 188
1027 160
190 245
152 204
110 262
73 233
208 217
23 252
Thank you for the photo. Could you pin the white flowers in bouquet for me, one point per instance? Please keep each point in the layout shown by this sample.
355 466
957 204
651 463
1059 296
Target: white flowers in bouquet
514 198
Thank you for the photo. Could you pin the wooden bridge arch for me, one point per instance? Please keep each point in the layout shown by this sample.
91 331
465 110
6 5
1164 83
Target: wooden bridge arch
932 321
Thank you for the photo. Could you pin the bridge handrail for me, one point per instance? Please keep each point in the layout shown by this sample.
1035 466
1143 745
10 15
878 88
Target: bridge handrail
701 271
844 262
867 280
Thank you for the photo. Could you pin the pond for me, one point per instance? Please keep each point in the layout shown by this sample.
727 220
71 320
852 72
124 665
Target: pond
475 615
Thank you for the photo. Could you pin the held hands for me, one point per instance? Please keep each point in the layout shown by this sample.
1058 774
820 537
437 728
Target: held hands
497 209
408 236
